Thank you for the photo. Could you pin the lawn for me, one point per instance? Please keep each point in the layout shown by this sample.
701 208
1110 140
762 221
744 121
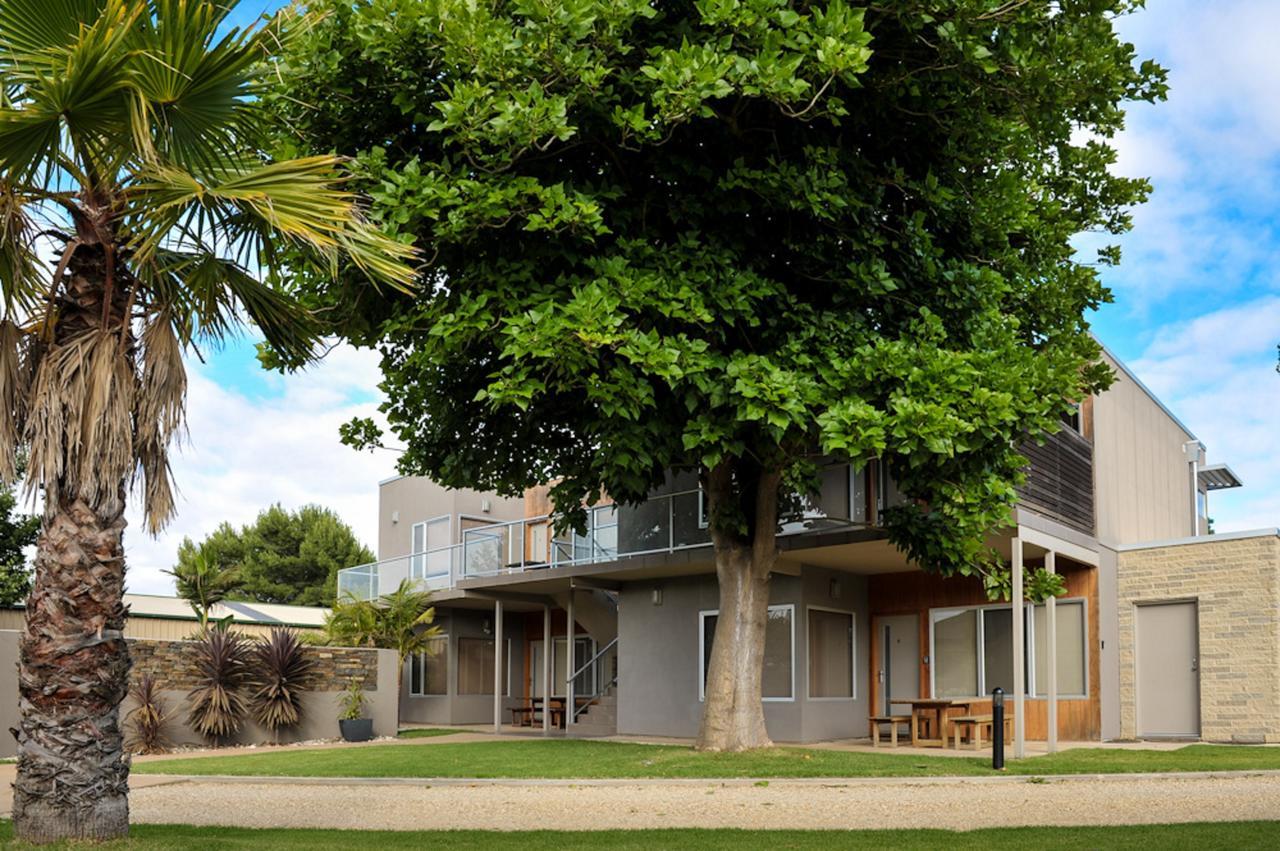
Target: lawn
1234 835
425 732
576 759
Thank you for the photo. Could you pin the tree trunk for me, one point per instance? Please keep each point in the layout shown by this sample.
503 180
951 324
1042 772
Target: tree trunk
73 775
733 714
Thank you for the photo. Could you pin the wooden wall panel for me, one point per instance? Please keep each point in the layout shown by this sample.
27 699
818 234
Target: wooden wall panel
917 593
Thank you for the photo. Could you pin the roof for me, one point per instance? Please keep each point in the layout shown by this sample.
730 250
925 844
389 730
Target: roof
1217 477
242 611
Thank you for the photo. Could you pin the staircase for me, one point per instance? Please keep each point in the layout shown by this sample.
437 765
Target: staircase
600 718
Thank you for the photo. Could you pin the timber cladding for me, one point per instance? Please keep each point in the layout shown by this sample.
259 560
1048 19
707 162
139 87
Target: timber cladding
172 665
1060 479
1079 719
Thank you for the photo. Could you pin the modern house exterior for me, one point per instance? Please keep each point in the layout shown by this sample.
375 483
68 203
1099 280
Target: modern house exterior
1165 630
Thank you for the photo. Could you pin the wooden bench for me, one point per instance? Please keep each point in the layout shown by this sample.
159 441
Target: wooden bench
893 721
522 716
973 725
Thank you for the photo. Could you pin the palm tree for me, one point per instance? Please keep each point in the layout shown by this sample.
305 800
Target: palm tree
131 158
204 583
399 621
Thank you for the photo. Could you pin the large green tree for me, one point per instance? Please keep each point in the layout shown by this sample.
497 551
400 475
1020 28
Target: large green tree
283 556
17 533
132 153
729 236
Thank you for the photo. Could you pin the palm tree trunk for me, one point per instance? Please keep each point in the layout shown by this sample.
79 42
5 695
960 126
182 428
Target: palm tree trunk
74 664
73 668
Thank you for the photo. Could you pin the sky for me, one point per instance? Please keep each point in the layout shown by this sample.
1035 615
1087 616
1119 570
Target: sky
1196 313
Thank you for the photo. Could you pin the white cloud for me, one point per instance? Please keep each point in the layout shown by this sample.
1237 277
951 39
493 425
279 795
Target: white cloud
248 450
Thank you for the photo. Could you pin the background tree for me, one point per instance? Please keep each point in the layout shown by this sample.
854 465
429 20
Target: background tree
203 580
731 237
284 556
132 151
17 533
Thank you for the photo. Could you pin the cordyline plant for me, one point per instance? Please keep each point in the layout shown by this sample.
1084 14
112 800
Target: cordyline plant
147 718
730 238
284 672
131 153
224 666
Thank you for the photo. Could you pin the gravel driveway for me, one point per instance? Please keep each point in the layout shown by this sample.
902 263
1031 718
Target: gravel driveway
957 804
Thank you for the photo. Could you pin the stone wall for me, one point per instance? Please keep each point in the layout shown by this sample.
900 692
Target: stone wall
1235 581
172 664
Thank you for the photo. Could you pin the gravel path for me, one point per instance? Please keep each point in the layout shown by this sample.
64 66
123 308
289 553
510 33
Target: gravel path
956 804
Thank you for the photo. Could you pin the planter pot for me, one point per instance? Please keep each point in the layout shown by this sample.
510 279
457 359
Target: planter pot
356 729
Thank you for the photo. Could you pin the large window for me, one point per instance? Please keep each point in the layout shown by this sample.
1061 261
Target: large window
429 671
831 665
779 652
972 650
475 666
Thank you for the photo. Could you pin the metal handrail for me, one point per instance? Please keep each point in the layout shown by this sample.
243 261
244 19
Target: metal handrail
578 710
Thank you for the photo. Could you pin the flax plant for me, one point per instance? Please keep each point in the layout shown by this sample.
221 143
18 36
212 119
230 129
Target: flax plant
140 217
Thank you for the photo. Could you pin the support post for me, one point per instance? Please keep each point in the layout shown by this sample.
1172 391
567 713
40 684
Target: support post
497 666
1019 655
571 663
547 652
1051 656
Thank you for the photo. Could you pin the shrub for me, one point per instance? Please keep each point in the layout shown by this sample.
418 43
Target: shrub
284 673
147 719
224 666
352 702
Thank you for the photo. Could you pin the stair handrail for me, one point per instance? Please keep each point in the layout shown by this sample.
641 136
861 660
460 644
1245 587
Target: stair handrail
591 661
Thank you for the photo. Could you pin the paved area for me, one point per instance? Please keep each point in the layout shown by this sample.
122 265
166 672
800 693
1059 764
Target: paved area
578 805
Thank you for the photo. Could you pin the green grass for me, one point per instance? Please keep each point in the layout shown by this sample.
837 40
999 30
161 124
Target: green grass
572 759
1237 836
425 733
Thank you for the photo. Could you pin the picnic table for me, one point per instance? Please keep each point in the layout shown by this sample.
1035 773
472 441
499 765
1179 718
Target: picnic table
525 714
932 712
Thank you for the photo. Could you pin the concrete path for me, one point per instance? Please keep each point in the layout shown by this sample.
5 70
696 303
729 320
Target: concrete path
955 803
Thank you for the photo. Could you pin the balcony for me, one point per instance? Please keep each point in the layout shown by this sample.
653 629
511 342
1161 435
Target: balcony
665 523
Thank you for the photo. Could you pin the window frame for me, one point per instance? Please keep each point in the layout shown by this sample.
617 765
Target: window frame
853 653
418 561
506 684
1029 646
702 652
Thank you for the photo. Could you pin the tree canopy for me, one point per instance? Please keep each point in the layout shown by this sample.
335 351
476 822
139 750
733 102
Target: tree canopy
732 235
17 532
283 556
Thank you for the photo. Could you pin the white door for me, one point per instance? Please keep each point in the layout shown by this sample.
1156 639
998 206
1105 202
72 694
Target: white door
899 661
1168 670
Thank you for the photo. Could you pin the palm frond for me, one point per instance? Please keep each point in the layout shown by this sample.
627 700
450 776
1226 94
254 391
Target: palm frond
21 287
15 380
32 31
159 417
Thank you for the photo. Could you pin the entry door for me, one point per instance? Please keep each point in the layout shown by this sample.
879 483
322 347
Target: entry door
899 661
1168 670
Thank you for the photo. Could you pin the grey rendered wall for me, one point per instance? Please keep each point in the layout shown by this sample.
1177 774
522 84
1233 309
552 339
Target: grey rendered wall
417 498
320 716
658 658
454 708
1109 639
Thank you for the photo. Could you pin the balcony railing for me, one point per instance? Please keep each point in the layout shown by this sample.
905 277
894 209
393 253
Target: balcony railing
662 524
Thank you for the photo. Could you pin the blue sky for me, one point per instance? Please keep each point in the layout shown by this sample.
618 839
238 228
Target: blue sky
1196 316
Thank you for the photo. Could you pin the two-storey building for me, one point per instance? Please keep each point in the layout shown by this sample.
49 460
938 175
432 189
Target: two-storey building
615 625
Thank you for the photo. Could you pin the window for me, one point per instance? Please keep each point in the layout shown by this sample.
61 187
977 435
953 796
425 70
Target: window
972 650
831 656
475 666
779 652
1072 680
430 547
1071 419
429 671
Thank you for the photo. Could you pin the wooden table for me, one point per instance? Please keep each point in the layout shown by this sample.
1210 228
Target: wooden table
934 709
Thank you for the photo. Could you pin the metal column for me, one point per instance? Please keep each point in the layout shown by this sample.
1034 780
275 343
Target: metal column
1019 657
547 652
571 663
1051 655
497 666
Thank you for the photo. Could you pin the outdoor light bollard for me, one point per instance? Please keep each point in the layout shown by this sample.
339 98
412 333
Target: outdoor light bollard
997 729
